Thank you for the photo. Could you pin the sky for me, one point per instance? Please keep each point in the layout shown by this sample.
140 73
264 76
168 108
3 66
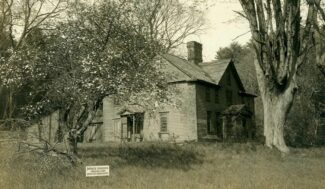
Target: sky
223 27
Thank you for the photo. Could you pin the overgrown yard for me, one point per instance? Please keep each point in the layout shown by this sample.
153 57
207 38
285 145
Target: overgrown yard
152 165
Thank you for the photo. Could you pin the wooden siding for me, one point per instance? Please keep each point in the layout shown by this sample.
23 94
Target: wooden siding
183 122
181 118
234 87
217 107
203 106
109 116
188 120
237 98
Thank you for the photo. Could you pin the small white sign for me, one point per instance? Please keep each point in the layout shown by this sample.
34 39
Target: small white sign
94 171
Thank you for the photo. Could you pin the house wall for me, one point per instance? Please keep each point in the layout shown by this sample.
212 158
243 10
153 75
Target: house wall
228 83
111 121
181 117
186 121
216 107
94 131
203 106
234 87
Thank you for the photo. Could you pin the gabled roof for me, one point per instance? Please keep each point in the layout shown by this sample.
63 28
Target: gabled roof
193 71
208 72
216 69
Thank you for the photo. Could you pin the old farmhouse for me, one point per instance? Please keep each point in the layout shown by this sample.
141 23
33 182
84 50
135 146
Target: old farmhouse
213 106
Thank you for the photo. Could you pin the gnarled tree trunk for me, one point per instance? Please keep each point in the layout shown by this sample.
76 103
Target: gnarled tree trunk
74 121
71 142
67 136
281 47
276 106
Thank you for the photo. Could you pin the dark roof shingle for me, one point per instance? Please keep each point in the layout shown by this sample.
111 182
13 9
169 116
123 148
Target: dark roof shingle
212 72
215 69
193 71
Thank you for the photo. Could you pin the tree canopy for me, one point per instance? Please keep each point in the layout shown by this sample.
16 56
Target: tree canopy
234 51
99 50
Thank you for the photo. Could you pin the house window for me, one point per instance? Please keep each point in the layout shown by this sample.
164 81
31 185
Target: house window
207 94
209 125
216 96
163 121
229 97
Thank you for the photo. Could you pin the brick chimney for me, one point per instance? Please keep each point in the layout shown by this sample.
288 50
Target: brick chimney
194 52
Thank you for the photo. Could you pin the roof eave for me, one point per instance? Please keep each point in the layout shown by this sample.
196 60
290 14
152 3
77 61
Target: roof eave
247 94
195 80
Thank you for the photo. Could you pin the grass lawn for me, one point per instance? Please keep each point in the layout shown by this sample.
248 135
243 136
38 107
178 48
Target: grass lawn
152 165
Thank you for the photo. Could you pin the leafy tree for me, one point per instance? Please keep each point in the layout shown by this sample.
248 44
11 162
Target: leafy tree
304 126
18 19
235 51
101 50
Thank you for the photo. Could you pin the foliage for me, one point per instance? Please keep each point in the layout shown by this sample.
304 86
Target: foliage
235 51
93 55
305 126
103 49
18 20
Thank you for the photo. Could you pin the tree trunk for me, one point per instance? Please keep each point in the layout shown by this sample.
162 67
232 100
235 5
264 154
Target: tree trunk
275 115
70 140
69 135
276 105
9 104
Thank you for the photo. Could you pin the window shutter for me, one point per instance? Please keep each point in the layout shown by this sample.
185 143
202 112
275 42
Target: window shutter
163 122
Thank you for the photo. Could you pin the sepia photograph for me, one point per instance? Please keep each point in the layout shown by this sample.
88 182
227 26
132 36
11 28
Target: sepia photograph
162 94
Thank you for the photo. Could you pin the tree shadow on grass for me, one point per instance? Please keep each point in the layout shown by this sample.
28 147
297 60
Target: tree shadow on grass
169 156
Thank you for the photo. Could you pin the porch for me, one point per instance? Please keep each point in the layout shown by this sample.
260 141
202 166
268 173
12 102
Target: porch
131 127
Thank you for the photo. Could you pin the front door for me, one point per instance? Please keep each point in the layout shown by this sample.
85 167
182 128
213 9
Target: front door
134 126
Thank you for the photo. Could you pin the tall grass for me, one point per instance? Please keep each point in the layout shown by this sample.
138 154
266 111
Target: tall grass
153 165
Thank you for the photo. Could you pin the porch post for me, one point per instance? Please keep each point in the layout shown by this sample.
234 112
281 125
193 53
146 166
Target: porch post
133 128
224 127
